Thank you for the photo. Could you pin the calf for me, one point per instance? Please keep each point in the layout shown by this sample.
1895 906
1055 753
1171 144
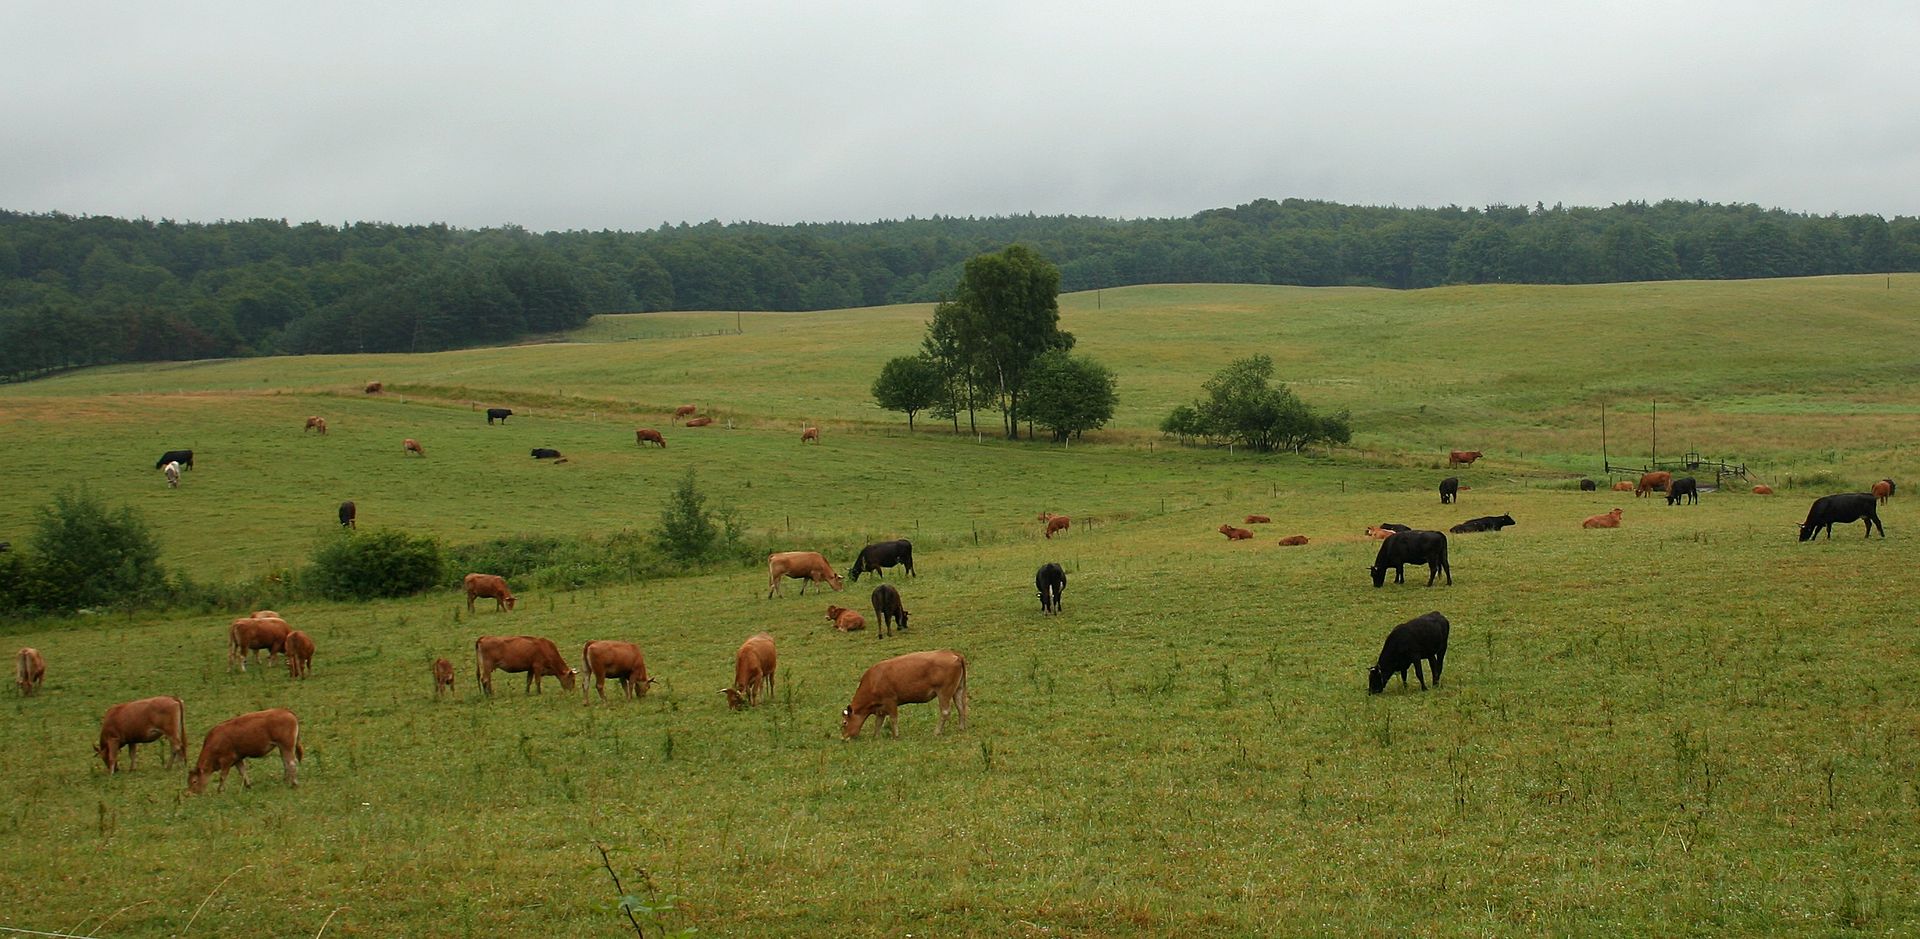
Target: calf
373 387
489 585
882 554
1051 581
237 739
1422 638
1652 482
249 635
1883 490
545 453
610 658
1055 522
646 435
1609 520
1763 490
1235 534
316 423
1623 486
1588 485
143 721
499 414
537 656
182 457
1463 457
753 667
810 566
1257 520
173 475
887 610
411 445
1841 507
1293 540
443 678
811 433
914 678
1449 490
1683 488
1412 547
684 410
29 670
299 654
348 513
1483 523
700 422
844 619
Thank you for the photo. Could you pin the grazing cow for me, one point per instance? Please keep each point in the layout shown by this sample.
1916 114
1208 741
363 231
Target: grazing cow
811 433
1293 540
810 566
684 410
545 453
887 610
237 739
1463 458
1422 638
1257 520
1842 508
349 513
489 585
411 445
1055 522
299 654
844 619
610 658
1609 520
883 554
265 614
700 422
1483 523
499 414
1883 490
29 670
1449 490
914 678
173 475
1763 490
144 721
1235 534
1683 488
535 655
1051 581
443 678
646 435
1588 485
373 387
753 667
1412 547
316 423
182 457
248 635
1623 486
1652 482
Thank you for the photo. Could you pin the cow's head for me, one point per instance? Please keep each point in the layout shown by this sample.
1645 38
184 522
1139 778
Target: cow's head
1379 576
196 780
1806 531
903 619
735 699
838 582
850 723
100 750
509 600
1376 678
566 678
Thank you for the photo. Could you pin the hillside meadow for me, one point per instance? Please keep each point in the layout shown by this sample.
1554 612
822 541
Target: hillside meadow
1692 725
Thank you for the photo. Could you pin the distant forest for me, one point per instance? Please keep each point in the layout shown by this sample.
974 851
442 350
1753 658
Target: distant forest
78 290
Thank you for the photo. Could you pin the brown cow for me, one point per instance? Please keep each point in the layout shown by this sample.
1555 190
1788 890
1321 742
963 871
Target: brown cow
602 659
811 566
248 635
534 655
373 387
914 678
1055 522
443 678
1379 533
1623 486
1609 520
29 670
1292 540
1763 490
143 721
299 654
237 739
317 423
844 619
684 410
811 433
1257 520
411 445
646 435
265 614
1882 490
489 585
1652 482
1235 534
1463 457
700 422
753 667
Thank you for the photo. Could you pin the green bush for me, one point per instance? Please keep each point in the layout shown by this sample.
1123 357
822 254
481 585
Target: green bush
360 566
84 555
687 529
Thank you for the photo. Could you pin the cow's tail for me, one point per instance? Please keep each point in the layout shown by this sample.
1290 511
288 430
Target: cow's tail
586 669
180 728
961 698
476 666
22 669
299 752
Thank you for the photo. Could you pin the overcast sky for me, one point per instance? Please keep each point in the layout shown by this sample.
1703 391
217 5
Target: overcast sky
628 114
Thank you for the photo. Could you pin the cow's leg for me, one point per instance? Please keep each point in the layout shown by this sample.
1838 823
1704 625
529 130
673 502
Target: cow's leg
1403 678
1438 657
286 759
804 581
1419 674
941 723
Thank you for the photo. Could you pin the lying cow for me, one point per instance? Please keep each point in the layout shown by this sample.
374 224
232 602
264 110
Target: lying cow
1483 523
374 387
1412 547
234 741
887 610
1235 534
844 619
1683 488
1257 520
700 422
1588 485
545 453
1842 508
610 658
29 670
144 721
646 435
753 667
1763 490
499 414
248 636
537 656
1623 486
182 457
883 554
1051 581
809 566
1609 520
1293 541
1385 530
914 678
492 586
1422 638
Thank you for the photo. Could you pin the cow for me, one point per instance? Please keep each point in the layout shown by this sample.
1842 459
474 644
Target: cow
29 670
1235 534
1588 485
182 457
1609 520
700 422
1257 520
684 410
500 414
844 619
753 667
237 739
1291 541
1883 490
144 721
1842 508
1383 532
914 678
1449 490
349 514
173 475
489 585
1463 457
811 433
535 655
1055 522
1623 486
1483 523
602 659
1683 488
374 388
1051 581
646 435
883 554
443 678
1652 482
810 566
411 445
299 654
249 635
887 610
1412 547
1422 638
545 453
316 423
1763 490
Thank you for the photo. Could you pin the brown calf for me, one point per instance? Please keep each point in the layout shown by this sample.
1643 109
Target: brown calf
914 678
143 721
1609 520
1235 534
1257 520
317 423
1292 540
492 586
247 636
29 670
700 422
1763 490
443 678
411 445
844 619
373 387
1055 522
237 739
811 433
753 667
299 654
610 658
537 656
1623 486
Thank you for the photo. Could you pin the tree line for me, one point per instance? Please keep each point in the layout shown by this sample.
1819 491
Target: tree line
81 290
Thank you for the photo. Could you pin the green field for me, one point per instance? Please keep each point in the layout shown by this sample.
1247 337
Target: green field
1691 725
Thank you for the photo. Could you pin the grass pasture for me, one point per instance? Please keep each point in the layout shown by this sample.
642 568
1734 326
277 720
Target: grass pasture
1691 725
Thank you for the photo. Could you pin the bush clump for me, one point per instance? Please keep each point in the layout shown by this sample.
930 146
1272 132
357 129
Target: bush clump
362 566
84 554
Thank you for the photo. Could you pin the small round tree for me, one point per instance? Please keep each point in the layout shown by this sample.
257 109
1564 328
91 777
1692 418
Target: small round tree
910 383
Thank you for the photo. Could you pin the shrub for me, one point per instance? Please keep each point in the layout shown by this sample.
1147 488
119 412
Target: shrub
687 531
84 554
361 566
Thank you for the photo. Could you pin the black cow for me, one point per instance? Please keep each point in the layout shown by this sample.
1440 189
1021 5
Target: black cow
1423 637
1449 489
545 453
1588 485
881 554
182 457
1412 547
887 610
1683 488
1483 523
1051 581
348 512
1841 507
501 413
1392 527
